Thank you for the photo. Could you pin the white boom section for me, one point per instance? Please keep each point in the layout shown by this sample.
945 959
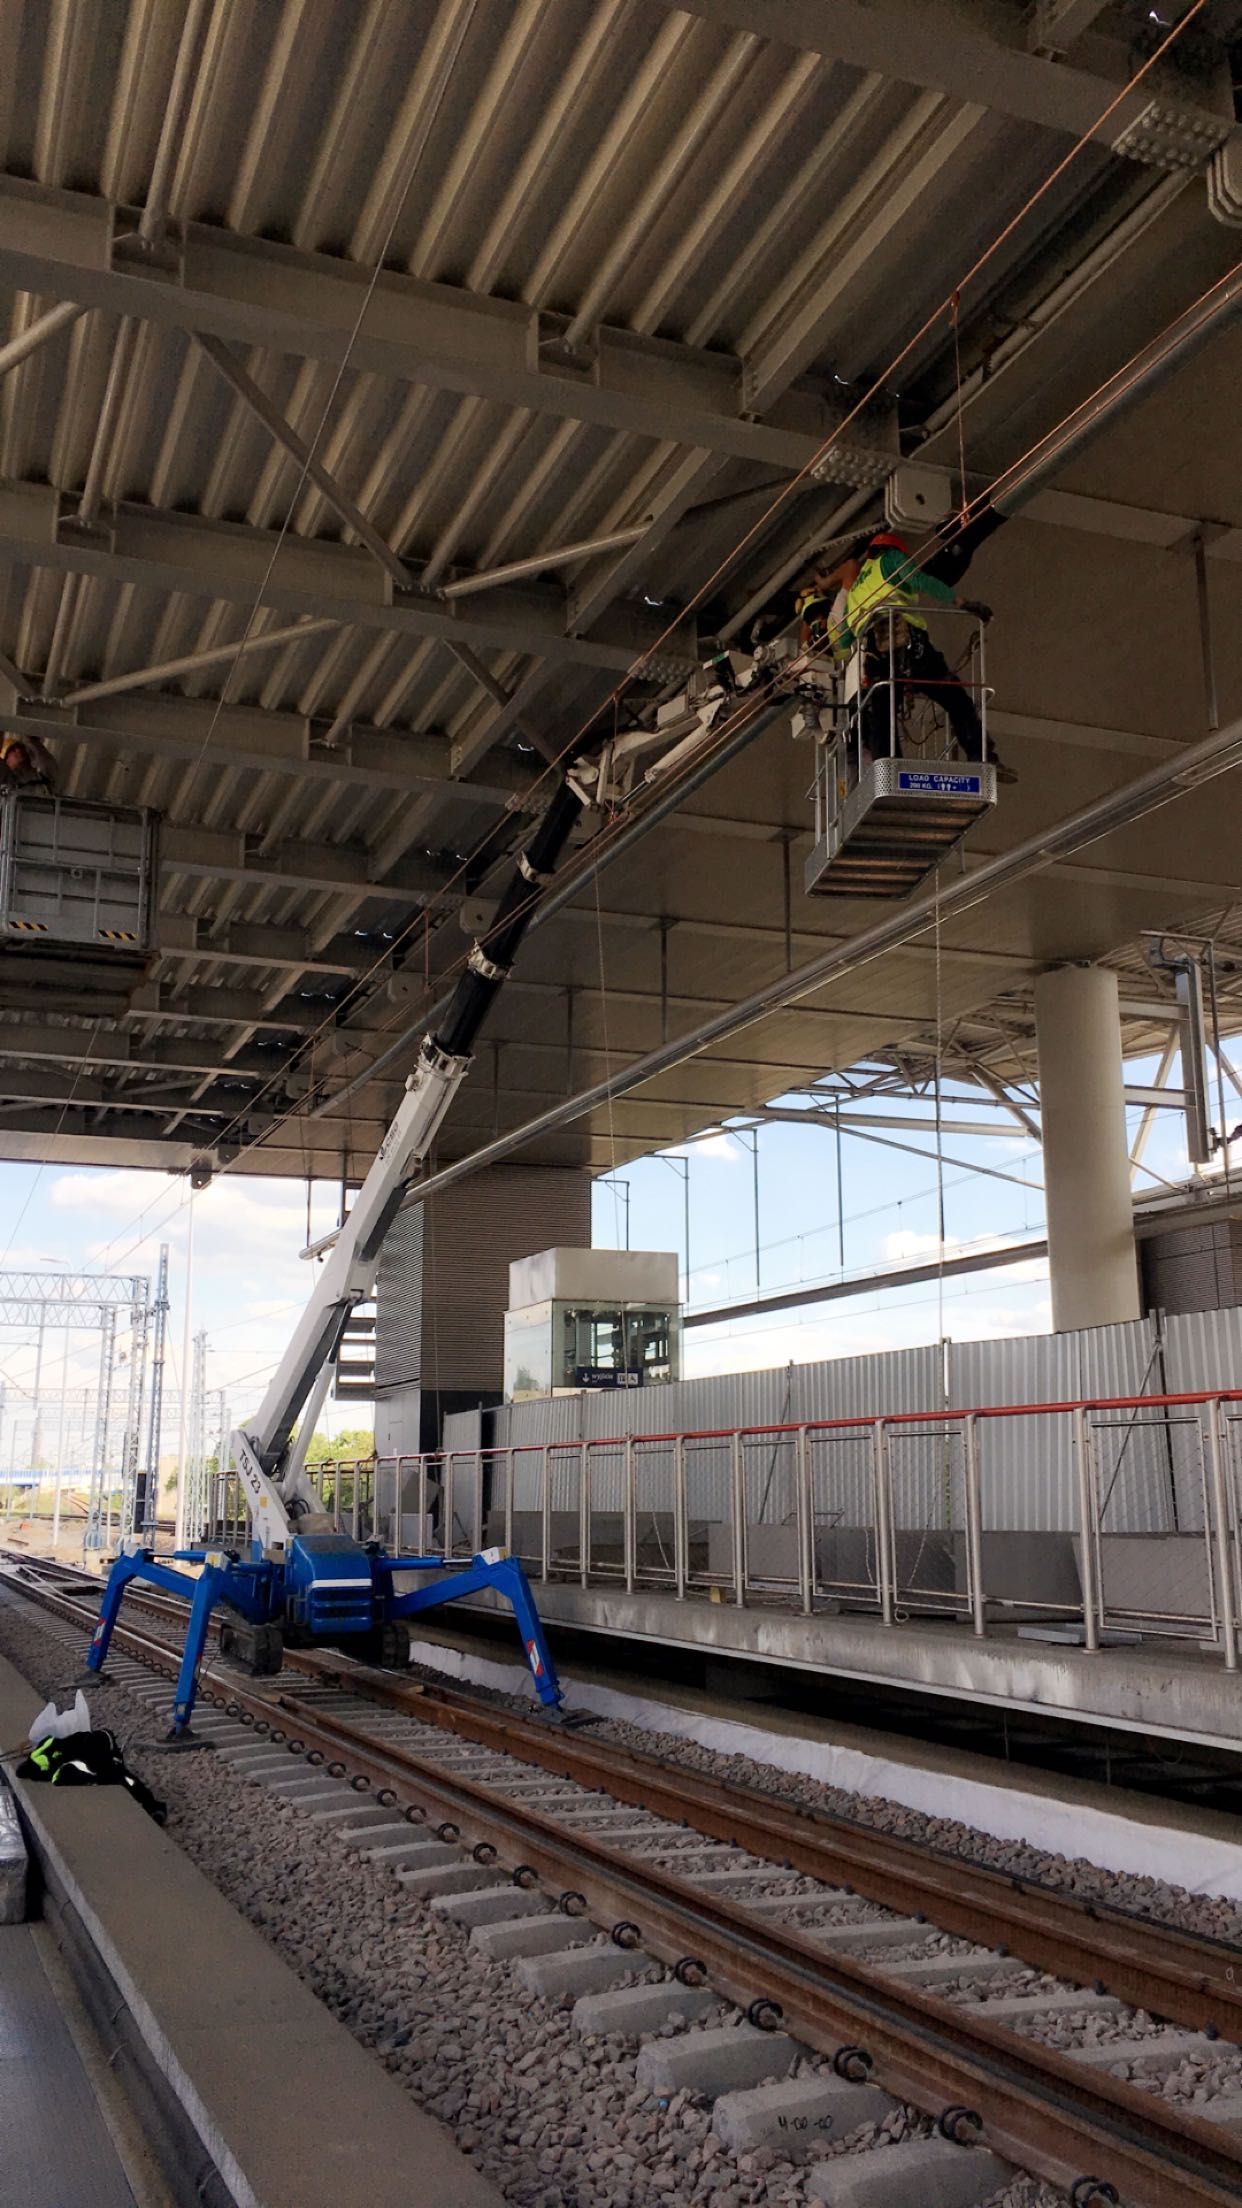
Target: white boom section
273 1476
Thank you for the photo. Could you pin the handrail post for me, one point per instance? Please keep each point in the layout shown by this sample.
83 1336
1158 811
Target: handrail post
508 1480
1086 1525
629 1529
545 1516
681 1523
584 1512
356 1515
448 1529
423 1541
974 1522
1224 1539
477 1542
884 1565
738 1491
806 1538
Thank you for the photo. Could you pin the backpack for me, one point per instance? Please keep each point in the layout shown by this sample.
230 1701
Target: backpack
87 1759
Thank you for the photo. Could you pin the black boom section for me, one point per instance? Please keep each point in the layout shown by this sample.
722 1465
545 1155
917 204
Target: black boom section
492 956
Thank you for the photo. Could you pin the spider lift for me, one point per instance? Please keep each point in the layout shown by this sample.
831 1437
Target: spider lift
303 1579
883 823
879 828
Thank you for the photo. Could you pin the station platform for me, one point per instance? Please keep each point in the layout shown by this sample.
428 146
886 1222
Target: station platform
56 2144
1189 1843
1169 1689
238 2068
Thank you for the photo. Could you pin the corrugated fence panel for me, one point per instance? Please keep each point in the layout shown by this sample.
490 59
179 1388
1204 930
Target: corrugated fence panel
1203 1349
1149 1466
463 1429
870 1387
1027 1464
1142 1458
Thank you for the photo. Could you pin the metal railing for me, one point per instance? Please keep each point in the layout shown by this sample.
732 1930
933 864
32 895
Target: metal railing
1135 1510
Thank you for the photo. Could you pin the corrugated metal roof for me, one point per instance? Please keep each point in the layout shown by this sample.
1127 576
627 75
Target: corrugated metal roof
677 198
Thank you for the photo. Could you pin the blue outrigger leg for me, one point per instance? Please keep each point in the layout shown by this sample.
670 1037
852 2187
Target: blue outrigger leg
502 1573
208 1590
259 1592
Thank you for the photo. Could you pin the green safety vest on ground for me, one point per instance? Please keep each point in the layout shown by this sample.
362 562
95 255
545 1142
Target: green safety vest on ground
52 1759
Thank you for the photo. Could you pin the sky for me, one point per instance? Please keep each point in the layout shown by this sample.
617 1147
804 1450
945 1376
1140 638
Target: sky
249 1280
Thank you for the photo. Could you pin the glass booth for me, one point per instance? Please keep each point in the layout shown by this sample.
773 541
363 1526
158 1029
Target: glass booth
607 1319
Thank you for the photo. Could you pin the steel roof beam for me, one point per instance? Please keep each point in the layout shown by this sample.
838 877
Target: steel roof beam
1058 24
30 1085
265 410
64 245
193 663
870 1284
163 727
187 935
975 53
213 1002
37 333
151 549
229 855
110 1136
800 318
121 1047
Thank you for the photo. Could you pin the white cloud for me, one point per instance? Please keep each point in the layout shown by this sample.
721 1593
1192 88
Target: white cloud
724 1147
249 1280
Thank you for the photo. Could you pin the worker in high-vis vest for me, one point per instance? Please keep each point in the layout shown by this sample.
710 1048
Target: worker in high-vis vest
25 763
839 604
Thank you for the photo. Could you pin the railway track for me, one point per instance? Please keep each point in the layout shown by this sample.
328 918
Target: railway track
828 1936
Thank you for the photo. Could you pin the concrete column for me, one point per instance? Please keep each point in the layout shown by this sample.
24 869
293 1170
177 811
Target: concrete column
444 1287
1086 1163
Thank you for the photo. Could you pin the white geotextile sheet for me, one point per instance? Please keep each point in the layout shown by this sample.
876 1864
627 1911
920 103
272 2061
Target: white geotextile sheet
1179 1856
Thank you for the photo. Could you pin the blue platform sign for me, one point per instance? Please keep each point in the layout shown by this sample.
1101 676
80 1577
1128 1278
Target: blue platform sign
926 783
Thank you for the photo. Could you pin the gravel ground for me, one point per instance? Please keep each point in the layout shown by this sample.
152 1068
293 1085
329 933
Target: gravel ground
555 2122
1211 1915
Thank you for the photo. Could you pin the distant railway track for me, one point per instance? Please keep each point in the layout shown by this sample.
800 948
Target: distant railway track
439 1757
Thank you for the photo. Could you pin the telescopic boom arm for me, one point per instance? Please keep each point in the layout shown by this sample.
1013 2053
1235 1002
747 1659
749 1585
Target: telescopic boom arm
278 1489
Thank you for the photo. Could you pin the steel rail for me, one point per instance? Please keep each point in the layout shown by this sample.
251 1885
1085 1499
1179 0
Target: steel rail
1187 1979
1182 1976
1032 2102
